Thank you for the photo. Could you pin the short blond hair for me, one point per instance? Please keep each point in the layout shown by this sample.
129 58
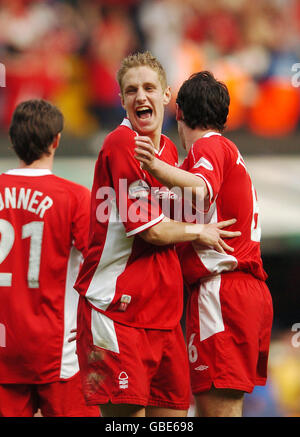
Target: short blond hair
141 59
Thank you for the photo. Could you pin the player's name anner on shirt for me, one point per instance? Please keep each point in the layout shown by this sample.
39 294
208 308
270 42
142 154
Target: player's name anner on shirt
25 198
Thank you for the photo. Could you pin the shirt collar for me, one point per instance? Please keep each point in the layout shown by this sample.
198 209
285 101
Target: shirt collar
29 172
126 122
209 134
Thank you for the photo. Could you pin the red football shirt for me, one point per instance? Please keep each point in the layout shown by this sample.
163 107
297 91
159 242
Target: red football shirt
218 162
124 277
44 231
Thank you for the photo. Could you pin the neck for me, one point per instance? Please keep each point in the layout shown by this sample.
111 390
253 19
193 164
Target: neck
45 162
156 141
192 135
155 137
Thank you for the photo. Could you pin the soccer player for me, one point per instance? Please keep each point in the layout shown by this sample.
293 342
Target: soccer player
131 349
43 234
229 310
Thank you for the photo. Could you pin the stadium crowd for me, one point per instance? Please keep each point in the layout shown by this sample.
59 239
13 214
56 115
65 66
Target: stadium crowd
68 51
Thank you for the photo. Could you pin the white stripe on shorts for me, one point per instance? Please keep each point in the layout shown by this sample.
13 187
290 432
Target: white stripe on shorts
103 332
209 307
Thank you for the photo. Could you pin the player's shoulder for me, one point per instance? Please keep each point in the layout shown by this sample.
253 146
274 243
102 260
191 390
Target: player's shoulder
216 143
118 139
121 131
227 143
231 151
69 186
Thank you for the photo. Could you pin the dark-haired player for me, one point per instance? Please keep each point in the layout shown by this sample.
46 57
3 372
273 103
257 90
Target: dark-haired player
229 311
43 234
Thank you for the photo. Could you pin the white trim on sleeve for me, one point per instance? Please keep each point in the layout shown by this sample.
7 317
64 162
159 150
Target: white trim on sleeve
145 226
210 190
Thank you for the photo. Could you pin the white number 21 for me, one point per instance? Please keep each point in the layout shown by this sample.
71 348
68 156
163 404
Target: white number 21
34 230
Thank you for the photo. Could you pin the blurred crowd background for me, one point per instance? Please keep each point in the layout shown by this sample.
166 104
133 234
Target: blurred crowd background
68 52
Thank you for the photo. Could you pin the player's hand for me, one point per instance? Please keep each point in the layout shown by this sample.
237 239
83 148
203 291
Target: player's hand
145 152
213 236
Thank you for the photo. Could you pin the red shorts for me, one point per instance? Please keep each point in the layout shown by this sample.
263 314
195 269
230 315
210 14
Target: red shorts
55 399
228 327
122 364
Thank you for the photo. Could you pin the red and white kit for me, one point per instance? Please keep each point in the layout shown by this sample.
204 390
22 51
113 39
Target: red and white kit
43 227
126 281
229 313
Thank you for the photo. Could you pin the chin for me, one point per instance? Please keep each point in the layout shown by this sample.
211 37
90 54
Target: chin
147 130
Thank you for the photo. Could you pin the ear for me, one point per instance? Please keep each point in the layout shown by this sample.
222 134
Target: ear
179 115
167 95
56 141
122 100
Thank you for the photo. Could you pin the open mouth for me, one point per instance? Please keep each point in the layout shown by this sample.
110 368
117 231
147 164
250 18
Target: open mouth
144 113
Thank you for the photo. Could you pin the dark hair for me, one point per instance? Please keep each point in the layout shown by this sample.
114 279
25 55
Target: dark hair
35 124
204 101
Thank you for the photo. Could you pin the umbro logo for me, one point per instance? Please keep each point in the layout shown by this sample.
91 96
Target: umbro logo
203 162
201 367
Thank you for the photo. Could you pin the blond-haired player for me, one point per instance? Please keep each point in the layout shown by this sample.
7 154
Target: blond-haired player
130 344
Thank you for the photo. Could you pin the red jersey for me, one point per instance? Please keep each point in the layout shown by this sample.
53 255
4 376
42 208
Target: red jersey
43 228
124 277
218 162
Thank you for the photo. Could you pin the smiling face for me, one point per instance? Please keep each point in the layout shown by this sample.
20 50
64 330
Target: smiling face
144 100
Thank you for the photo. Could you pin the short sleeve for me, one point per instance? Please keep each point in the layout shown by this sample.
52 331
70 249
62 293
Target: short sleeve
206 159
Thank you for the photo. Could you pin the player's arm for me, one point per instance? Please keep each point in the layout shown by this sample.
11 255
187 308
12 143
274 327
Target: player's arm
170 232
168 175
81 218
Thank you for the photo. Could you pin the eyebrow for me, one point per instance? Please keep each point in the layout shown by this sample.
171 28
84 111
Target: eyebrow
149 84
146 84
130 87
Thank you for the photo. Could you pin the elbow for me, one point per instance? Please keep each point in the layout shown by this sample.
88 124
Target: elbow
153 236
